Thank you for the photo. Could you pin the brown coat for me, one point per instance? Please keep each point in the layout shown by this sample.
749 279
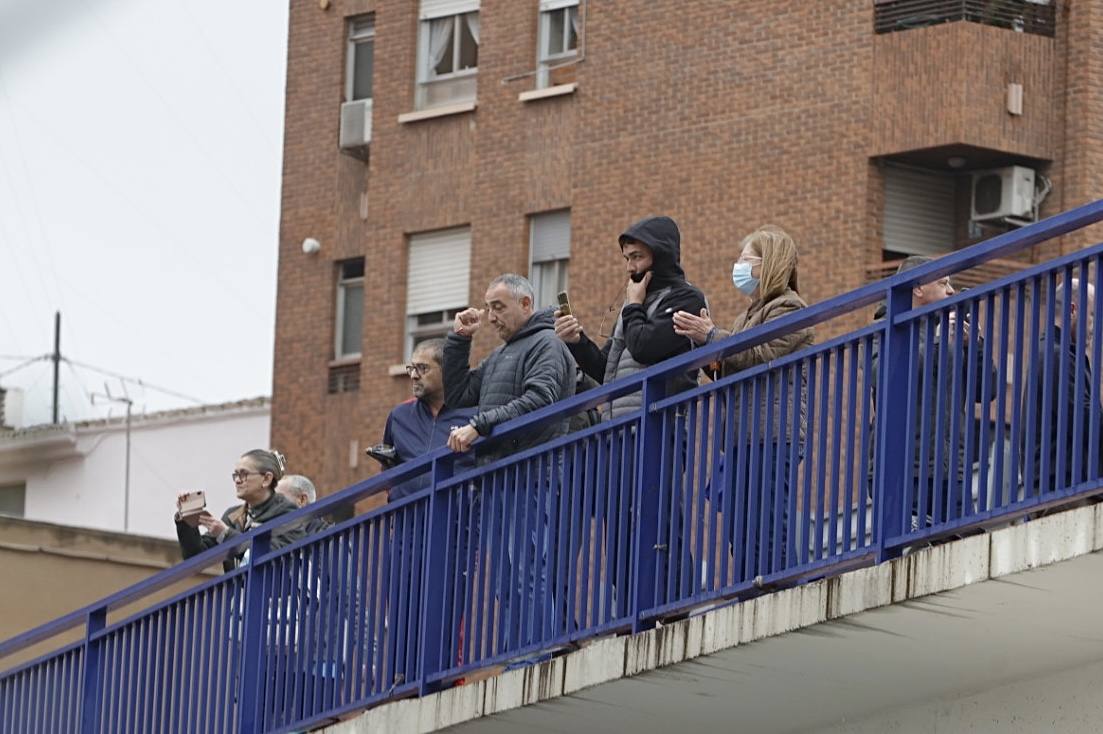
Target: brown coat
759 313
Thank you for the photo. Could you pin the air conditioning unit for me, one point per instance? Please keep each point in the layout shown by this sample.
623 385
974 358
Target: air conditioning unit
355 125
1003 192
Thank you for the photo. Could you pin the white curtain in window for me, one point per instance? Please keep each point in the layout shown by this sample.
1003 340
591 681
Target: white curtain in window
473 25
440 32
574 24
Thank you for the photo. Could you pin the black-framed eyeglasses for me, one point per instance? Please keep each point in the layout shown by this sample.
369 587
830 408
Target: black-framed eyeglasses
418 368
241 475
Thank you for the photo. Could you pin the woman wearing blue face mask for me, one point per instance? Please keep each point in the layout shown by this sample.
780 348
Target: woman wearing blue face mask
763 458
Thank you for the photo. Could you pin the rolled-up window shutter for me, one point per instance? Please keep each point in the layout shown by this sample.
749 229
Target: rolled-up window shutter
439 8
556 4
439 274
919 211
551 236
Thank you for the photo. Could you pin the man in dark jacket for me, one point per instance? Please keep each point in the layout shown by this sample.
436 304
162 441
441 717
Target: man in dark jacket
939 487
1049 445
423 423
530 370
644 332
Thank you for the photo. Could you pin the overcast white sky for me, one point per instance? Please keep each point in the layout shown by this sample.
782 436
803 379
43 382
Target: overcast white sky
140 150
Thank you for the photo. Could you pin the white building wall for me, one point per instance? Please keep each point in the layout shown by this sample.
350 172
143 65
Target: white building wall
167 456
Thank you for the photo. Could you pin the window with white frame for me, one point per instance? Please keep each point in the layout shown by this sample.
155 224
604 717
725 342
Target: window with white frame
549 254
448 52
350 309
358 72
437 283
557 37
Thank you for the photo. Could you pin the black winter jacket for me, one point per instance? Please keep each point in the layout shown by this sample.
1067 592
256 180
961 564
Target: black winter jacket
192 542
531 370
650 340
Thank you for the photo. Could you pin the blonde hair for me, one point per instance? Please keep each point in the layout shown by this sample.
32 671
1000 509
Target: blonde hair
779 259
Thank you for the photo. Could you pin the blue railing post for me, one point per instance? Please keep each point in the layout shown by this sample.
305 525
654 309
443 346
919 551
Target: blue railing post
895 403
92 660
434 617
644 533
252 647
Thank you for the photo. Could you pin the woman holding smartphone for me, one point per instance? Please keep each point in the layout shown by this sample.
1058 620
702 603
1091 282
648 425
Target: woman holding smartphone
255 477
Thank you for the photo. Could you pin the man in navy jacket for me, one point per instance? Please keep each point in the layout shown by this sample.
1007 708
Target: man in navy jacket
424 422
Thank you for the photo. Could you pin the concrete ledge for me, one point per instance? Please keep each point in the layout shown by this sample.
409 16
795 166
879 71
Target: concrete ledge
920 574
452 109
556 91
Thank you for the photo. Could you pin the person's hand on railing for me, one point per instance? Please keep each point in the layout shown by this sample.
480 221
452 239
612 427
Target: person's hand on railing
697 328
461 438
468 322
567 328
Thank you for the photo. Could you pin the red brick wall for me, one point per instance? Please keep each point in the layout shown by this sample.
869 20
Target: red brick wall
723 115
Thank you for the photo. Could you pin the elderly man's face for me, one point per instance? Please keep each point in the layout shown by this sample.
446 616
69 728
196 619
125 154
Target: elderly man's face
505 312
291 494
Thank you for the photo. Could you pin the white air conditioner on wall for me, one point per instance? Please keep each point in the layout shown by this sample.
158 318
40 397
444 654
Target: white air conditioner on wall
1003 192
355 124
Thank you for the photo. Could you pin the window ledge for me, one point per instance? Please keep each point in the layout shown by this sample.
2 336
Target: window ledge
452 109
397 370
556 91
344 361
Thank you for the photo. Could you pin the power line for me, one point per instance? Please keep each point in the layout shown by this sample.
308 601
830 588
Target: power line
16 357
23 364
135 380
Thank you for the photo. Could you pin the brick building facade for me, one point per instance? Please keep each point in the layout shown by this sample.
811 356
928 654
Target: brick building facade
724 115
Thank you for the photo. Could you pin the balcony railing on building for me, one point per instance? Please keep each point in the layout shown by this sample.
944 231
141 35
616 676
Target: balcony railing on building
1025 16
926 423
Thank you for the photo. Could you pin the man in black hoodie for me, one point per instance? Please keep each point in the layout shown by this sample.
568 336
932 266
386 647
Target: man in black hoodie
644 332
643 336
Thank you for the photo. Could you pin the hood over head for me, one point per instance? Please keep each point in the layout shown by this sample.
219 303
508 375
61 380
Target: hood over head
661 235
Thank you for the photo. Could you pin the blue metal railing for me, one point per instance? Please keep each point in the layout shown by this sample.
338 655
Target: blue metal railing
929 422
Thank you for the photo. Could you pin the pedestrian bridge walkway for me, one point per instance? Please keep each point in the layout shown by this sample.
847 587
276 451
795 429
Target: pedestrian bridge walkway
991 633
916 428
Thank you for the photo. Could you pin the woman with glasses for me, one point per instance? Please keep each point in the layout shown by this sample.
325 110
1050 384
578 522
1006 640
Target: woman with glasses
255 477
762 463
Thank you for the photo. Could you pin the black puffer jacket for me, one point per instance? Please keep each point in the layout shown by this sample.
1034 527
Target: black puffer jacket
238 519
531 370
648 331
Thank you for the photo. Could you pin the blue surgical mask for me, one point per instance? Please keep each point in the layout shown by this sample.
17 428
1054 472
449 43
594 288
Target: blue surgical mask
742 278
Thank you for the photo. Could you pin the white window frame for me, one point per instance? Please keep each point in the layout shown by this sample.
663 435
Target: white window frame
357 35
546 61
339 324
426 77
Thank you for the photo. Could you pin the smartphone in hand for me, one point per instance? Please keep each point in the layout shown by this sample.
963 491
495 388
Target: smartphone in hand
564 304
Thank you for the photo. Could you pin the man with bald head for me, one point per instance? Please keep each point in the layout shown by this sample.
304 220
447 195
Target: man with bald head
1057 417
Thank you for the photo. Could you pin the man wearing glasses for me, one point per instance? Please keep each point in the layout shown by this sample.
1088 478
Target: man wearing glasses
424 422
